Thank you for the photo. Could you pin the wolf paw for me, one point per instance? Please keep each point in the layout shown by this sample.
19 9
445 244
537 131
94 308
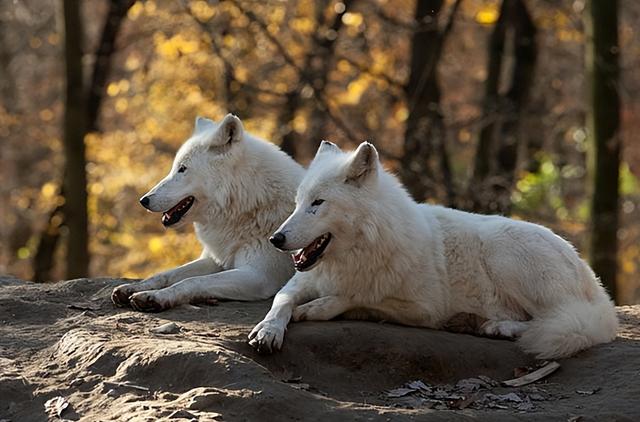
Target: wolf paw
121 294
504 329
147 302
267 337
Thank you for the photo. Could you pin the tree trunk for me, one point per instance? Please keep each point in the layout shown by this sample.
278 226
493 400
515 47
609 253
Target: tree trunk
319 65
478 191
603 120
292 103
315 70
423 99
500 140
75 127
48 243
49 239
509 135
102 67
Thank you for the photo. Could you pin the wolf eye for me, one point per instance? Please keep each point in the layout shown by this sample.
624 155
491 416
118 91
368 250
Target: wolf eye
182 168
317 202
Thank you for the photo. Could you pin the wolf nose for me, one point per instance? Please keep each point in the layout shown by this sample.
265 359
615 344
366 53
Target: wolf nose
145 201
277 239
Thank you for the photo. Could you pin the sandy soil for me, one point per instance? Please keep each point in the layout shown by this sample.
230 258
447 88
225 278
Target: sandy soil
68 340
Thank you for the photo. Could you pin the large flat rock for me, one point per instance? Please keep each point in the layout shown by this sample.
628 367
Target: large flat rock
67 339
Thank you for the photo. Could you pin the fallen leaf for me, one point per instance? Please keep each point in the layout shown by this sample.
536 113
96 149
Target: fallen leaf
469 385
168 328
400 392
525 406
512 397
588 392
125 385
464 403
418 385
534 376
56 405
489 380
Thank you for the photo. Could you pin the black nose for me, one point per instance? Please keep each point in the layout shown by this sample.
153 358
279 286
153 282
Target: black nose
144 201
277 239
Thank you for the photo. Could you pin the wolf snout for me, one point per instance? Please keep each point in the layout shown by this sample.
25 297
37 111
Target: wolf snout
144 201
278 240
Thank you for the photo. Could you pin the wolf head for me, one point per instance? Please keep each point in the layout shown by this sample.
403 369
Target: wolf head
331 203
201 165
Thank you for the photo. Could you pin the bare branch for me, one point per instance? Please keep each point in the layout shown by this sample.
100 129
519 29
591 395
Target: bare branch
320 98
378 75
435 58
228 66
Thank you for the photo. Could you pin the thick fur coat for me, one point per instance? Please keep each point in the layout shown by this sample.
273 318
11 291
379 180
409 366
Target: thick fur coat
235 189
390 258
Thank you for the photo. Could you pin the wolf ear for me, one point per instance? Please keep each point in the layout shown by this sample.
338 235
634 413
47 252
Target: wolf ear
202 125
326 146
229 132
363 164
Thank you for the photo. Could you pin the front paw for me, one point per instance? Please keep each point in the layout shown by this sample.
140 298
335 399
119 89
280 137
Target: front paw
148 302
267 336
121 294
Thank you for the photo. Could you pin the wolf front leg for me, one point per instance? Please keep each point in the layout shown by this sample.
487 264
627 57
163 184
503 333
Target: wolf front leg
245 284
204 265
322 309
268 335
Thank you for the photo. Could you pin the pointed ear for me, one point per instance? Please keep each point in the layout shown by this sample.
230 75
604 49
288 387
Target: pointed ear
363 165
230 130
202 125
326 146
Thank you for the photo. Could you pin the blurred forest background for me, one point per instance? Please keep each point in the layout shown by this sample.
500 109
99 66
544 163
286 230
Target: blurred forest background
522 107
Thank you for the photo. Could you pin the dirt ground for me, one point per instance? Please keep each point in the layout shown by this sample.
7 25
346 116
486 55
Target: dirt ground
67 340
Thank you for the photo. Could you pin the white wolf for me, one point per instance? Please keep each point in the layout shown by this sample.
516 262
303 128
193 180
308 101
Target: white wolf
236 189
363 247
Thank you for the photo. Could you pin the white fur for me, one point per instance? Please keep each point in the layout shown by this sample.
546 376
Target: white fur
244 187
390 258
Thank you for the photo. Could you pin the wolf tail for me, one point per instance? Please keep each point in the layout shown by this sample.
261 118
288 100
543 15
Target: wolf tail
570 327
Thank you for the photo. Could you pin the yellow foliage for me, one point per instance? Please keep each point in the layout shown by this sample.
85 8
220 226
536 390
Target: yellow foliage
355 89
113 89
133 62
49 190
124 85
53 38
150 7
488 14
303 25
343 66
156 244
24 253
202 10
135 11
46 114
121 105
352 19
402 113
300 123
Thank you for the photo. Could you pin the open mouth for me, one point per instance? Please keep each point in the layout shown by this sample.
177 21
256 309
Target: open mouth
175 214
308 256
